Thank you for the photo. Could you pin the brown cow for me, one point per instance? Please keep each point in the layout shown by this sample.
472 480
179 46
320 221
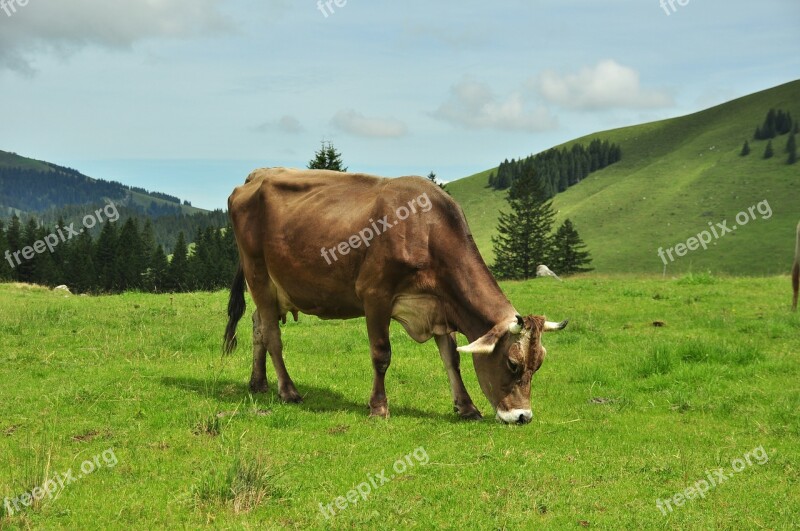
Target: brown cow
339 246
796 270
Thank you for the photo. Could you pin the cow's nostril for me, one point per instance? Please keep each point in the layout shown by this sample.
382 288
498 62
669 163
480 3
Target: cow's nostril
522 419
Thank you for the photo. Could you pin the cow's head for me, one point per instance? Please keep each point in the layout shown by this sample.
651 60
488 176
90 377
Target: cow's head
505 359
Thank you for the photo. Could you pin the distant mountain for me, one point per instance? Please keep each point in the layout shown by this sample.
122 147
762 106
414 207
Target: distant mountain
29 186
677 178
47 193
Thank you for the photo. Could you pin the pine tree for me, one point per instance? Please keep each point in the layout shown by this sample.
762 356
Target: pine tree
131 257
432 178
78 265
327 158
156 278
745 149
768 151
6 267
105 259
569 255
791 148
523 240
178 270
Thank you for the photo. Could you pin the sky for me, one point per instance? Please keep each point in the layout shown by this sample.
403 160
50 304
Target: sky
188 96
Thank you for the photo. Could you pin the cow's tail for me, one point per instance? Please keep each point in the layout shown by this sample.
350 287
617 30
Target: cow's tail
236 307
795 283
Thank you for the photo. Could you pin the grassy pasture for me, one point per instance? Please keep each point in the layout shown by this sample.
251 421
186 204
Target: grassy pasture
626 413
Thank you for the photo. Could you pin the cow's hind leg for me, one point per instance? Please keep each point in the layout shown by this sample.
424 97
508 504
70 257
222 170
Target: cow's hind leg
286 389
267 333
462 403
381 352
258 379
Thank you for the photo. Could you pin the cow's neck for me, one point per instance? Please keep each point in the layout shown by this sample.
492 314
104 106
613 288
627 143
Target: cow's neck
475 302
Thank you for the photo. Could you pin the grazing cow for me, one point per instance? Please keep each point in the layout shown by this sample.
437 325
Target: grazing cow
339 246
796 270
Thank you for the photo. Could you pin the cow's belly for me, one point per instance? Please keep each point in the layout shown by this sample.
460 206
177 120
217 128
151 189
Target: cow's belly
318 301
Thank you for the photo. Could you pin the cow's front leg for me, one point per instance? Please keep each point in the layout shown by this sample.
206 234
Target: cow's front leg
452 363
381 353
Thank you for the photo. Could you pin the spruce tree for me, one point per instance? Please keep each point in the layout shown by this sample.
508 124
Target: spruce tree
791 148
156 278
131 257
768 151
432 178
327 158
178 270
105 259
6 268
745 149
569 255
523 240
78 265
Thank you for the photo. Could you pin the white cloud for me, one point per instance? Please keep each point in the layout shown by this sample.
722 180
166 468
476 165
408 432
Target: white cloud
56 26
606 85
286 123
357 124
473 105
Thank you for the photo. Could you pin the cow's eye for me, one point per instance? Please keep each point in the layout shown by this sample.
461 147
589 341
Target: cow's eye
513 366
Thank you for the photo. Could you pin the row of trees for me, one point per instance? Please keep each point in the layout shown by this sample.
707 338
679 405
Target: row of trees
119 259
525 237
558 169
776 123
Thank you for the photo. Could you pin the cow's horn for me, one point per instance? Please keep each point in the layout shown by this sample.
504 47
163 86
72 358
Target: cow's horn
550 326
516 327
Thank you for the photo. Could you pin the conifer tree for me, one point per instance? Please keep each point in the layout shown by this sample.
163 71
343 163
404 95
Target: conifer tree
523 240
791 148
105 259
6 267
768 151
178 270
745 149
569 254
327 158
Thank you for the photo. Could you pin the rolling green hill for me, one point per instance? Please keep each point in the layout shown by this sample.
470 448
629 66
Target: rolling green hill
676 176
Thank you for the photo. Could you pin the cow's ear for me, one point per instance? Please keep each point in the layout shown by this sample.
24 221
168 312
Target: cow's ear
484 344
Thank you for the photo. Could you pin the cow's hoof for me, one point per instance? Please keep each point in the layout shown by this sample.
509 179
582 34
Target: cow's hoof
259 387
468 412
381 410
291 396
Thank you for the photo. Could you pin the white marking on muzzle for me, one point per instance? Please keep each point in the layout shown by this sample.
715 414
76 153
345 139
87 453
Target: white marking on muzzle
515 416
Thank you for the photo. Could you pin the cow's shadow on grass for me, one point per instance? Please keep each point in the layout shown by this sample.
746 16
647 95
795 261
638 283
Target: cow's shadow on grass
315 399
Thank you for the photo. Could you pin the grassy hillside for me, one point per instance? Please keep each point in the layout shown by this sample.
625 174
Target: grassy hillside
625 414
675 177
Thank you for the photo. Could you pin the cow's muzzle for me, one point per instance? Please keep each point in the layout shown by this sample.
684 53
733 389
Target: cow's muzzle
515 416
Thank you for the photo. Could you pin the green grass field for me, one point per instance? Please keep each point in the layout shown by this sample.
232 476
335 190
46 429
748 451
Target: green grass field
626 413
675 177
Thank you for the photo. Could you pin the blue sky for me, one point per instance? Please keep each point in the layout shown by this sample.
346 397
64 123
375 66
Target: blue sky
187 96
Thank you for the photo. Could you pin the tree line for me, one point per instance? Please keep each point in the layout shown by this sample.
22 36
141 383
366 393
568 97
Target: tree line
558 168
123 257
